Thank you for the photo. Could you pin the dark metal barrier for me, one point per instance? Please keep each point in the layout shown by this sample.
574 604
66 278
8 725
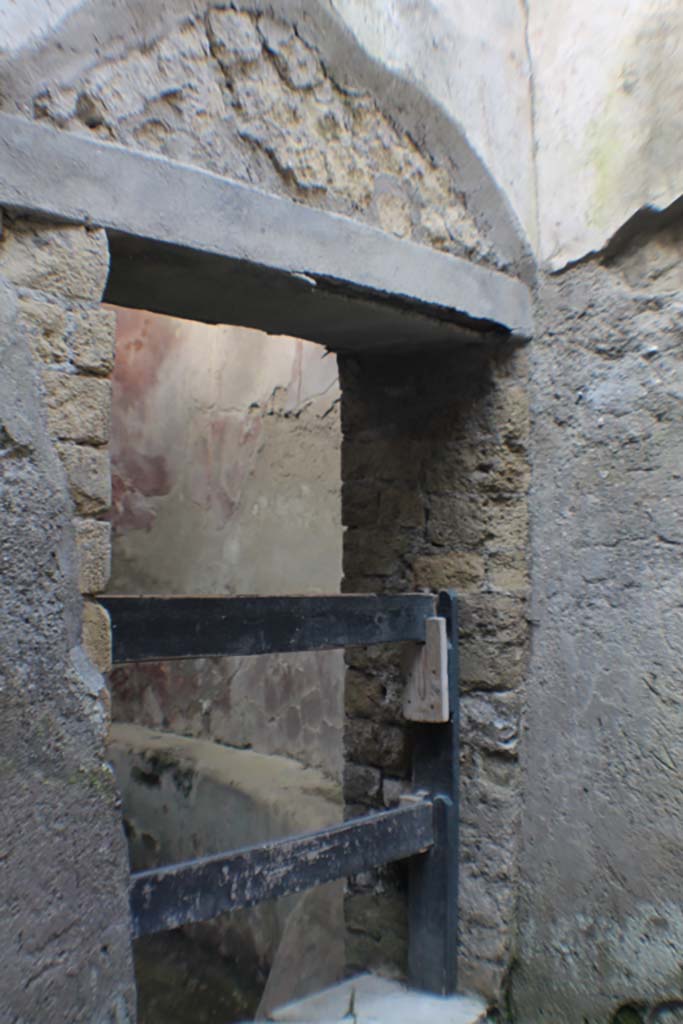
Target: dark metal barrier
161 628
197 890
424 828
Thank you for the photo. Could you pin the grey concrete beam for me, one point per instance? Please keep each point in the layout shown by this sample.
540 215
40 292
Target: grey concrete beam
170 222
202 286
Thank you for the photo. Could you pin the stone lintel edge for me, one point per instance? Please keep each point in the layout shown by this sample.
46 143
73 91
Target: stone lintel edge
62 175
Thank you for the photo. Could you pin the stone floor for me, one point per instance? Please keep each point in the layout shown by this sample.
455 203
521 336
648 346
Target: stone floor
368 999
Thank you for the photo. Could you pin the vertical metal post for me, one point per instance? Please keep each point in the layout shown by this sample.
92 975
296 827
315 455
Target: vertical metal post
433 900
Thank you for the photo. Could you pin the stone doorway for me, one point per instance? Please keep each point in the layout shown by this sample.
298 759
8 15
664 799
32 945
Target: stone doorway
225 452
434 422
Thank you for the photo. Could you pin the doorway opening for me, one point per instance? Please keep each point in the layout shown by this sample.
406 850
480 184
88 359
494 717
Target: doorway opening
225 453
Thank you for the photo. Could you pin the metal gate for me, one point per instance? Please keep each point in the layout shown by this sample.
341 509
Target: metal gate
423 829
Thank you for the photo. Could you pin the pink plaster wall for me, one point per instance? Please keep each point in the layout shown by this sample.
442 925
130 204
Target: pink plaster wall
226 479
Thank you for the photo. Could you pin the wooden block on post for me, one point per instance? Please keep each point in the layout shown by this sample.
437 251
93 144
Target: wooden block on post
426 666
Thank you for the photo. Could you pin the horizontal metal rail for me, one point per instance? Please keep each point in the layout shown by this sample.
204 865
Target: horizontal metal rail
164 628
197 890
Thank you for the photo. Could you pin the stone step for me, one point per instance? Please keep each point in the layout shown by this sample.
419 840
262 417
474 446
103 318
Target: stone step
368 999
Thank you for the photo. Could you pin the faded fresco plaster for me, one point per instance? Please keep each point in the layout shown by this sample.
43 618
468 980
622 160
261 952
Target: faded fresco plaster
225 478
600 913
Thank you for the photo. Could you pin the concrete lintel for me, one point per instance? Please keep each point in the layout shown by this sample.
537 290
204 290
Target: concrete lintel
145 197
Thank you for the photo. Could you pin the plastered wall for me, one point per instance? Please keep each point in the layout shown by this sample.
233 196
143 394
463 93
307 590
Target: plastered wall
225 455
472 61
241 89
608 103
573 108
603 813
216 90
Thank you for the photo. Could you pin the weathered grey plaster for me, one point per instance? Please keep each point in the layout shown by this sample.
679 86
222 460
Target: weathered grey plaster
26 22
601 922
608 98
603 82
53 173
63 869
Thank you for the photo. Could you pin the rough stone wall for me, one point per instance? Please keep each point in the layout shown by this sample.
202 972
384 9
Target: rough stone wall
245 96
63 893
465 65
474 61
601 923
226 477
435 477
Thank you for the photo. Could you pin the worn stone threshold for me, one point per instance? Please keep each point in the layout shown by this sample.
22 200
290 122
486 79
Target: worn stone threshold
368 999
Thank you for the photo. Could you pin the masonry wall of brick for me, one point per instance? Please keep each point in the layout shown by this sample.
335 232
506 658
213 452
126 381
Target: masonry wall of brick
435 478
60 272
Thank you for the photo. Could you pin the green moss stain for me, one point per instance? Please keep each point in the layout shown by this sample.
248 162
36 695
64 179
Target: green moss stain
634 145
605 156
98 779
